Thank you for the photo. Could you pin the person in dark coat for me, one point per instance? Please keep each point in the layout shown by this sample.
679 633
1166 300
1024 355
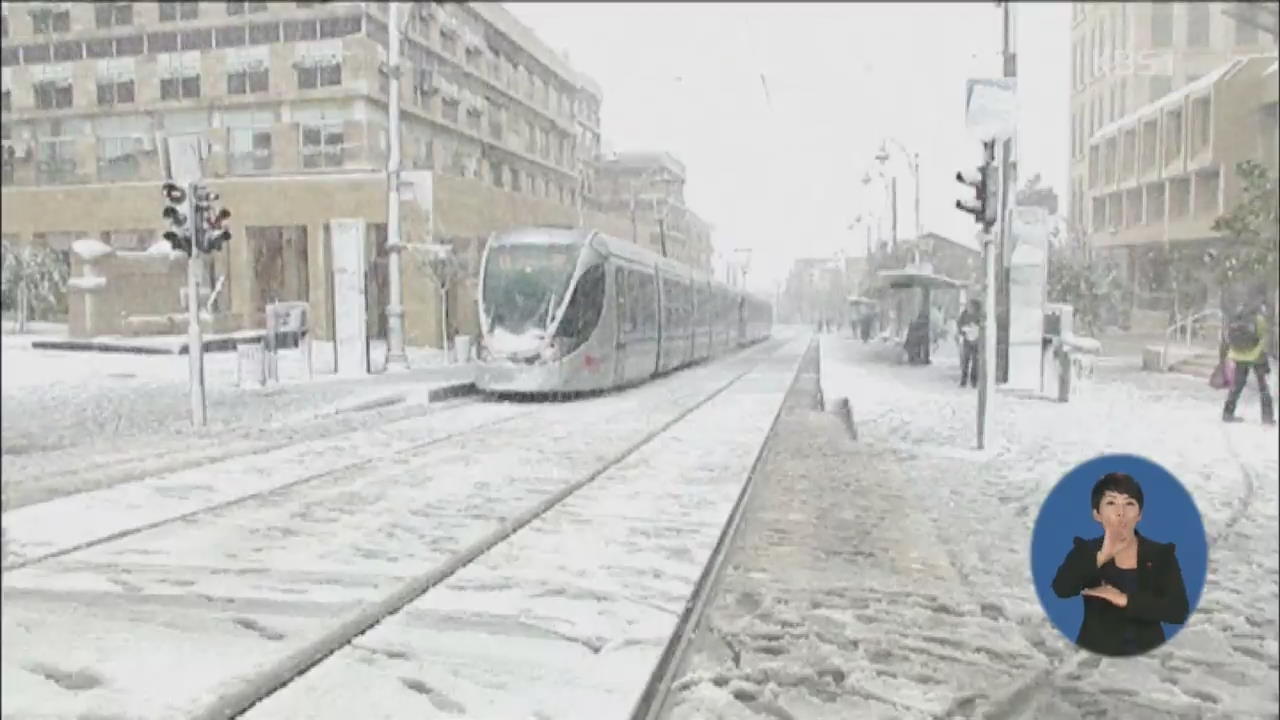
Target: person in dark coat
1129 583
967 326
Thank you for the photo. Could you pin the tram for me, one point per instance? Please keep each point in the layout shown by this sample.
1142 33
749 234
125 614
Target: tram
573 310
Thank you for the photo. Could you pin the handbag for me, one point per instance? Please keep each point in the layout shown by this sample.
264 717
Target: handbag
1220 378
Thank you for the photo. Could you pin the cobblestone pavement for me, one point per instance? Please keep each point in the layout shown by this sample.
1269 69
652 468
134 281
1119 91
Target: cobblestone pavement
889 577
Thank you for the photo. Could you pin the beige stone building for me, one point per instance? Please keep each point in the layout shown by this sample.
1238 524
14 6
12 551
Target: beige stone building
290 100
1166 100
648 190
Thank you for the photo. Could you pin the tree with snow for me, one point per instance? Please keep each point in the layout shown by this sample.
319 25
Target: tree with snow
34 282
1249 262
1078 277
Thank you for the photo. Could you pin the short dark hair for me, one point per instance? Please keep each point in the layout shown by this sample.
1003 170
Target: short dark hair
1116 482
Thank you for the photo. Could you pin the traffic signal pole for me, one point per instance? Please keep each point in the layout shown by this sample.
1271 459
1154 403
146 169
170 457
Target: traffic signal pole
195 340
991 251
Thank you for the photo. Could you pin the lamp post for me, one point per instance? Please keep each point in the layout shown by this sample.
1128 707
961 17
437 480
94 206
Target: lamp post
743 261
913 164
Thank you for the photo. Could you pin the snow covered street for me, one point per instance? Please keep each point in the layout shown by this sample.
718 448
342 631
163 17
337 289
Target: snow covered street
204 589
889 577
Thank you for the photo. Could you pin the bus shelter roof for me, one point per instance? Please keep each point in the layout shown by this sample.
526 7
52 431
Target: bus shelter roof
903 279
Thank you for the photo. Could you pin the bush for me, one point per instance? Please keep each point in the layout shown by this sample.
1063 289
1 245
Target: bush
42 272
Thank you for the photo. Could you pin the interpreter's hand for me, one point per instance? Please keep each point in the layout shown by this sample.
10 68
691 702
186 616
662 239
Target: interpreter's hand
1113 542
1108 593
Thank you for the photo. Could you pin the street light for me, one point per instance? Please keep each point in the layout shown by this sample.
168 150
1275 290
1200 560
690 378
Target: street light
743 257
913 164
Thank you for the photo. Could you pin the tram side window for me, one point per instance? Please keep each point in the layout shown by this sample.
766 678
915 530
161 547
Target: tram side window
646 299
583 311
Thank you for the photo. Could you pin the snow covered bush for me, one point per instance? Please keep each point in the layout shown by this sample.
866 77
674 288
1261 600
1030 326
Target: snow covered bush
39 272
1087 282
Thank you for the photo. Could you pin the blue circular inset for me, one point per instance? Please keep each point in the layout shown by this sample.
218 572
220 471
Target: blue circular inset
1169 515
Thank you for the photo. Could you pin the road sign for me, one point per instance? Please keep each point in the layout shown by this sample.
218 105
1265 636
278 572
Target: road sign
991 108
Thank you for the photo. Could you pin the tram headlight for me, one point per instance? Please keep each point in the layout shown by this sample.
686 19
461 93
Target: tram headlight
551 352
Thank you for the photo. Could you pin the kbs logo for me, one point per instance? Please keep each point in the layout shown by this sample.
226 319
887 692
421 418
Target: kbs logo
1125 63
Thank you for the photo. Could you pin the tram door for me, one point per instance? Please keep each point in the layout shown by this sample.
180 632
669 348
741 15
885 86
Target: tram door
620 323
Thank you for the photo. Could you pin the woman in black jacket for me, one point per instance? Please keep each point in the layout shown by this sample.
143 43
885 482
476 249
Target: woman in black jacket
1130 583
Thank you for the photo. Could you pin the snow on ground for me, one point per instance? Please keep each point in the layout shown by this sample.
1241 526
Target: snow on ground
96 403
58 526
568 618
172 619
888 577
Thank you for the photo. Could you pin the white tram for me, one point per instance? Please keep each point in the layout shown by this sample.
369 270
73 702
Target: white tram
573 310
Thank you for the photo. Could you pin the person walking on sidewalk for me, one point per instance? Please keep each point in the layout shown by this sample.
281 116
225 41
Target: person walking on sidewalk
968 324
1245 345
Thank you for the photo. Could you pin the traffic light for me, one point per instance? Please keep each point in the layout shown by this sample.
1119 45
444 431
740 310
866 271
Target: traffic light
212 232
177 211
985 184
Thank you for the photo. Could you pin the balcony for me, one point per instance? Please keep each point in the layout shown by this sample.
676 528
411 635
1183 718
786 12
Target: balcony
1164 172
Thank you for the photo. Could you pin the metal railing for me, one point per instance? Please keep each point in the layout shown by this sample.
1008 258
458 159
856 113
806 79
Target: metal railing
1183 330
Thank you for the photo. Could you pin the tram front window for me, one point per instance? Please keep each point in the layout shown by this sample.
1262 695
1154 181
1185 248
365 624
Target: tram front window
524 284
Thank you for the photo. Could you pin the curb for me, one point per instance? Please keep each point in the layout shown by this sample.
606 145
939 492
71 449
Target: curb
373 403
451 391
439 393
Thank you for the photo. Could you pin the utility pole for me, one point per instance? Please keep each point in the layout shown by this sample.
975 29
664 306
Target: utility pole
1008 188
396 356
893 200
983 207
195 342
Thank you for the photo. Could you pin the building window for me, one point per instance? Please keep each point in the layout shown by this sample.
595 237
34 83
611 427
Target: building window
115 91
322 145
1246 34
52 94
117 158
249 150
1197 24
245 8
247 80
1159 86
172 11
162 42
50 20
495 173
264 33
495 121
449 110
314 74
55 161
183 87
1161 25
113 14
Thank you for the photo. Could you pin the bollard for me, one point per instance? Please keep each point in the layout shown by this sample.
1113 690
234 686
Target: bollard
1064 374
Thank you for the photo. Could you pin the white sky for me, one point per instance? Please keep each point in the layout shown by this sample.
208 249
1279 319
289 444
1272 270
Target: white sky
782 176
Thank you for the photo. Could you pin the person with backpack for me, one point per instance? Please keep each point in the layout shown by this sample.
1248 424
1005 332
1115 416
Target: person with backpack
1246 339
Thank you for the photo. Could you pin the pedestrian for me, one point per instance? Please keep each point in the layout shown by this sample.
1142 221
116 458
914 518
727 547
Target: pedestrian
968 325
1245 345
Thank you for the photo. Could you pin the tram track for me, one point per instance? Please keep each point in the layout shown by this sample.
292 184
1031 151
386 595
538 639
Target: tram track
643 402
351 629
50 482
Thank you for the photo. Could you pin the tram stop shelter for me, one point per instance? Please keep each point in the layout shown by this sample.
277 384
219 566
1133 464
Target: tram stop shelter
923 279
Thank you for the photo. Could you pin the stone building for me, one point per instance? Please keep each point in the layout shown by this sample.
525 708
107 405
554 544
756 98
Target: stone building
289 100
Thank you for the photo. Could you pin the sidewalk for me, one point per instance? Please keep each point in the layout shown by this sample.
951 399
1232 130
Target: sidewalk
888 576
985 502
55 401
